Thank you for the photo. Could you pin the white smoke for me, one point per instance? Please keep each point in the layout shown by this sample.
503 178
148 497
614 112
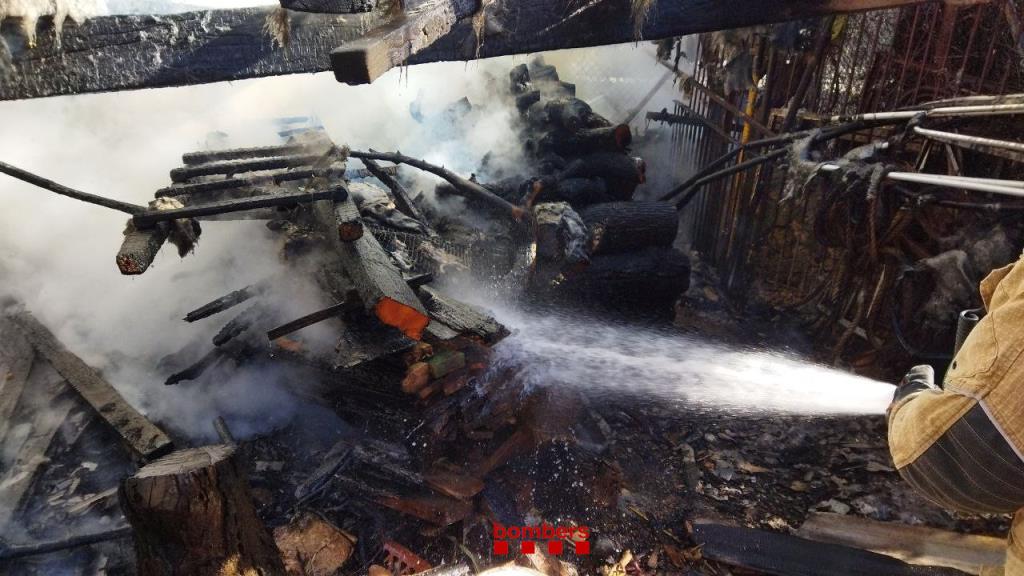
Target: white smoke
57 255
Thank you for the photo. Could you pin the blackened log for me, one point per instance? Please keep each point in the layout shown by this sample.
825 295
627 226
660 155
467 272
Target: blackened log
193 514
225 302
623 226
527 99
350 224
232 167
417 27
607 139
652 276
403 200
464 187
150 218
583 191
621 173
139 248
462 318
381 286
143 438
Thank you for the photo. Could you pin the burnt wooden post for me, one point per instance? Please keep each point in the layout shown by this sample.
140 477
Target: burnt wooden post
193 515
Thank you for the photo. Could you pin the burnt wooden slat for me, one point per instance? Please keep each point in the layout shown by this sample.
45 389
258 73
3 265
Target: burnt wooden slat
461 317
150 218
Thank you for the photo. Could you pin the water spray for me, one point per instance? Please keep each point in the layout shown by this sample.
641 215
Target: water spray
606 359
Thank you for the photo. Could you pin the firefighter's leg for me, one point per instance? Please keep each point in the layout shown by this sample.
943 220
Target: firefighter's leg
1015 547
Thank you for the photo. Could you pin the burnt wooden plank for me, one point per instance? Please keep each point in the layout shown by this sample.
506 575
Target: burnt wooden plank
785 555
130 52
142 436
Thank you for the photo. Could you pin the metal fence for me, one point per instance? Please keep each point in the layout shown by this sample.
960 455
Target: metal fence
767 249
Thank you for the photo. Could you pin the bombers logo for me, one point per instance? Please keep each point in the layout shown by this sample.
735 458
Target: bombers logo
528 535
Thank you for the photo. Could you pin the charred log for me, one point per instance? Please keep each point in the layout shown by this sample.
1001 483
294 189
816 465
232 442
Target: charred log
193 515
653 276
622 173
604 139
623 226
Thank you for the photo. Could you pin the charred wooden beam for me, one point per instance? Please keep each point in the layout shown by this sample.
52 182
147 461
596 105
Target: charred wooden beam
193 513
139 248
462 318
350 224
130 52
421 24
381 286
626 226
142 436
16 359
125 52
150 218
230 154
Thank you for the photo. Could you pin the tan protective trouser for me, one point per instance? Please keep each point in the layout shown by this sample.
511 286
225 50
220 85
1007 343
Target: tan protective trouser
1015 547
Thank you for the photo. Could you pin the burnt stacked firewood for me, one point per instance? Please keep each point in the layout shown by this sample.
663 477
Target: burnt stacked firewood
593 240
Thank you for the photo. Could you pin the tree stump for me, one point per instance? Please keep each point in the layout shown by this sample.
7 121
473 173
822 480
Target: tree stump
193 515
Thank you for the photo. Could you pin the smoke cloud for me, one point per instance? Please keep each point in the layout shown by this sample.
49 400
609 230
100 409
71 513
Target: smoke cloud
57 255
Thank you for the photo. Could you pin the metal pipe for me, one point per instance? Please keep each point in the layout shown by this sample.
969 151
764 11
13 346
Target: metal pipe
985 110
1001 148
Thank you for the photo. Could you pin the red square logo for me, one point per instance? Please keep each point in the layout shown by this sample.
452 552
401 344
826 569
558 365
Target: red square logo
501 547
583 547
554 547
527 547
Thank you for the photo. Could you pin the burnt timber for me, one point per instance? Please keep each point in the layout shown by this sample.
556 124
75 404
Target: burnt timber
131 52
